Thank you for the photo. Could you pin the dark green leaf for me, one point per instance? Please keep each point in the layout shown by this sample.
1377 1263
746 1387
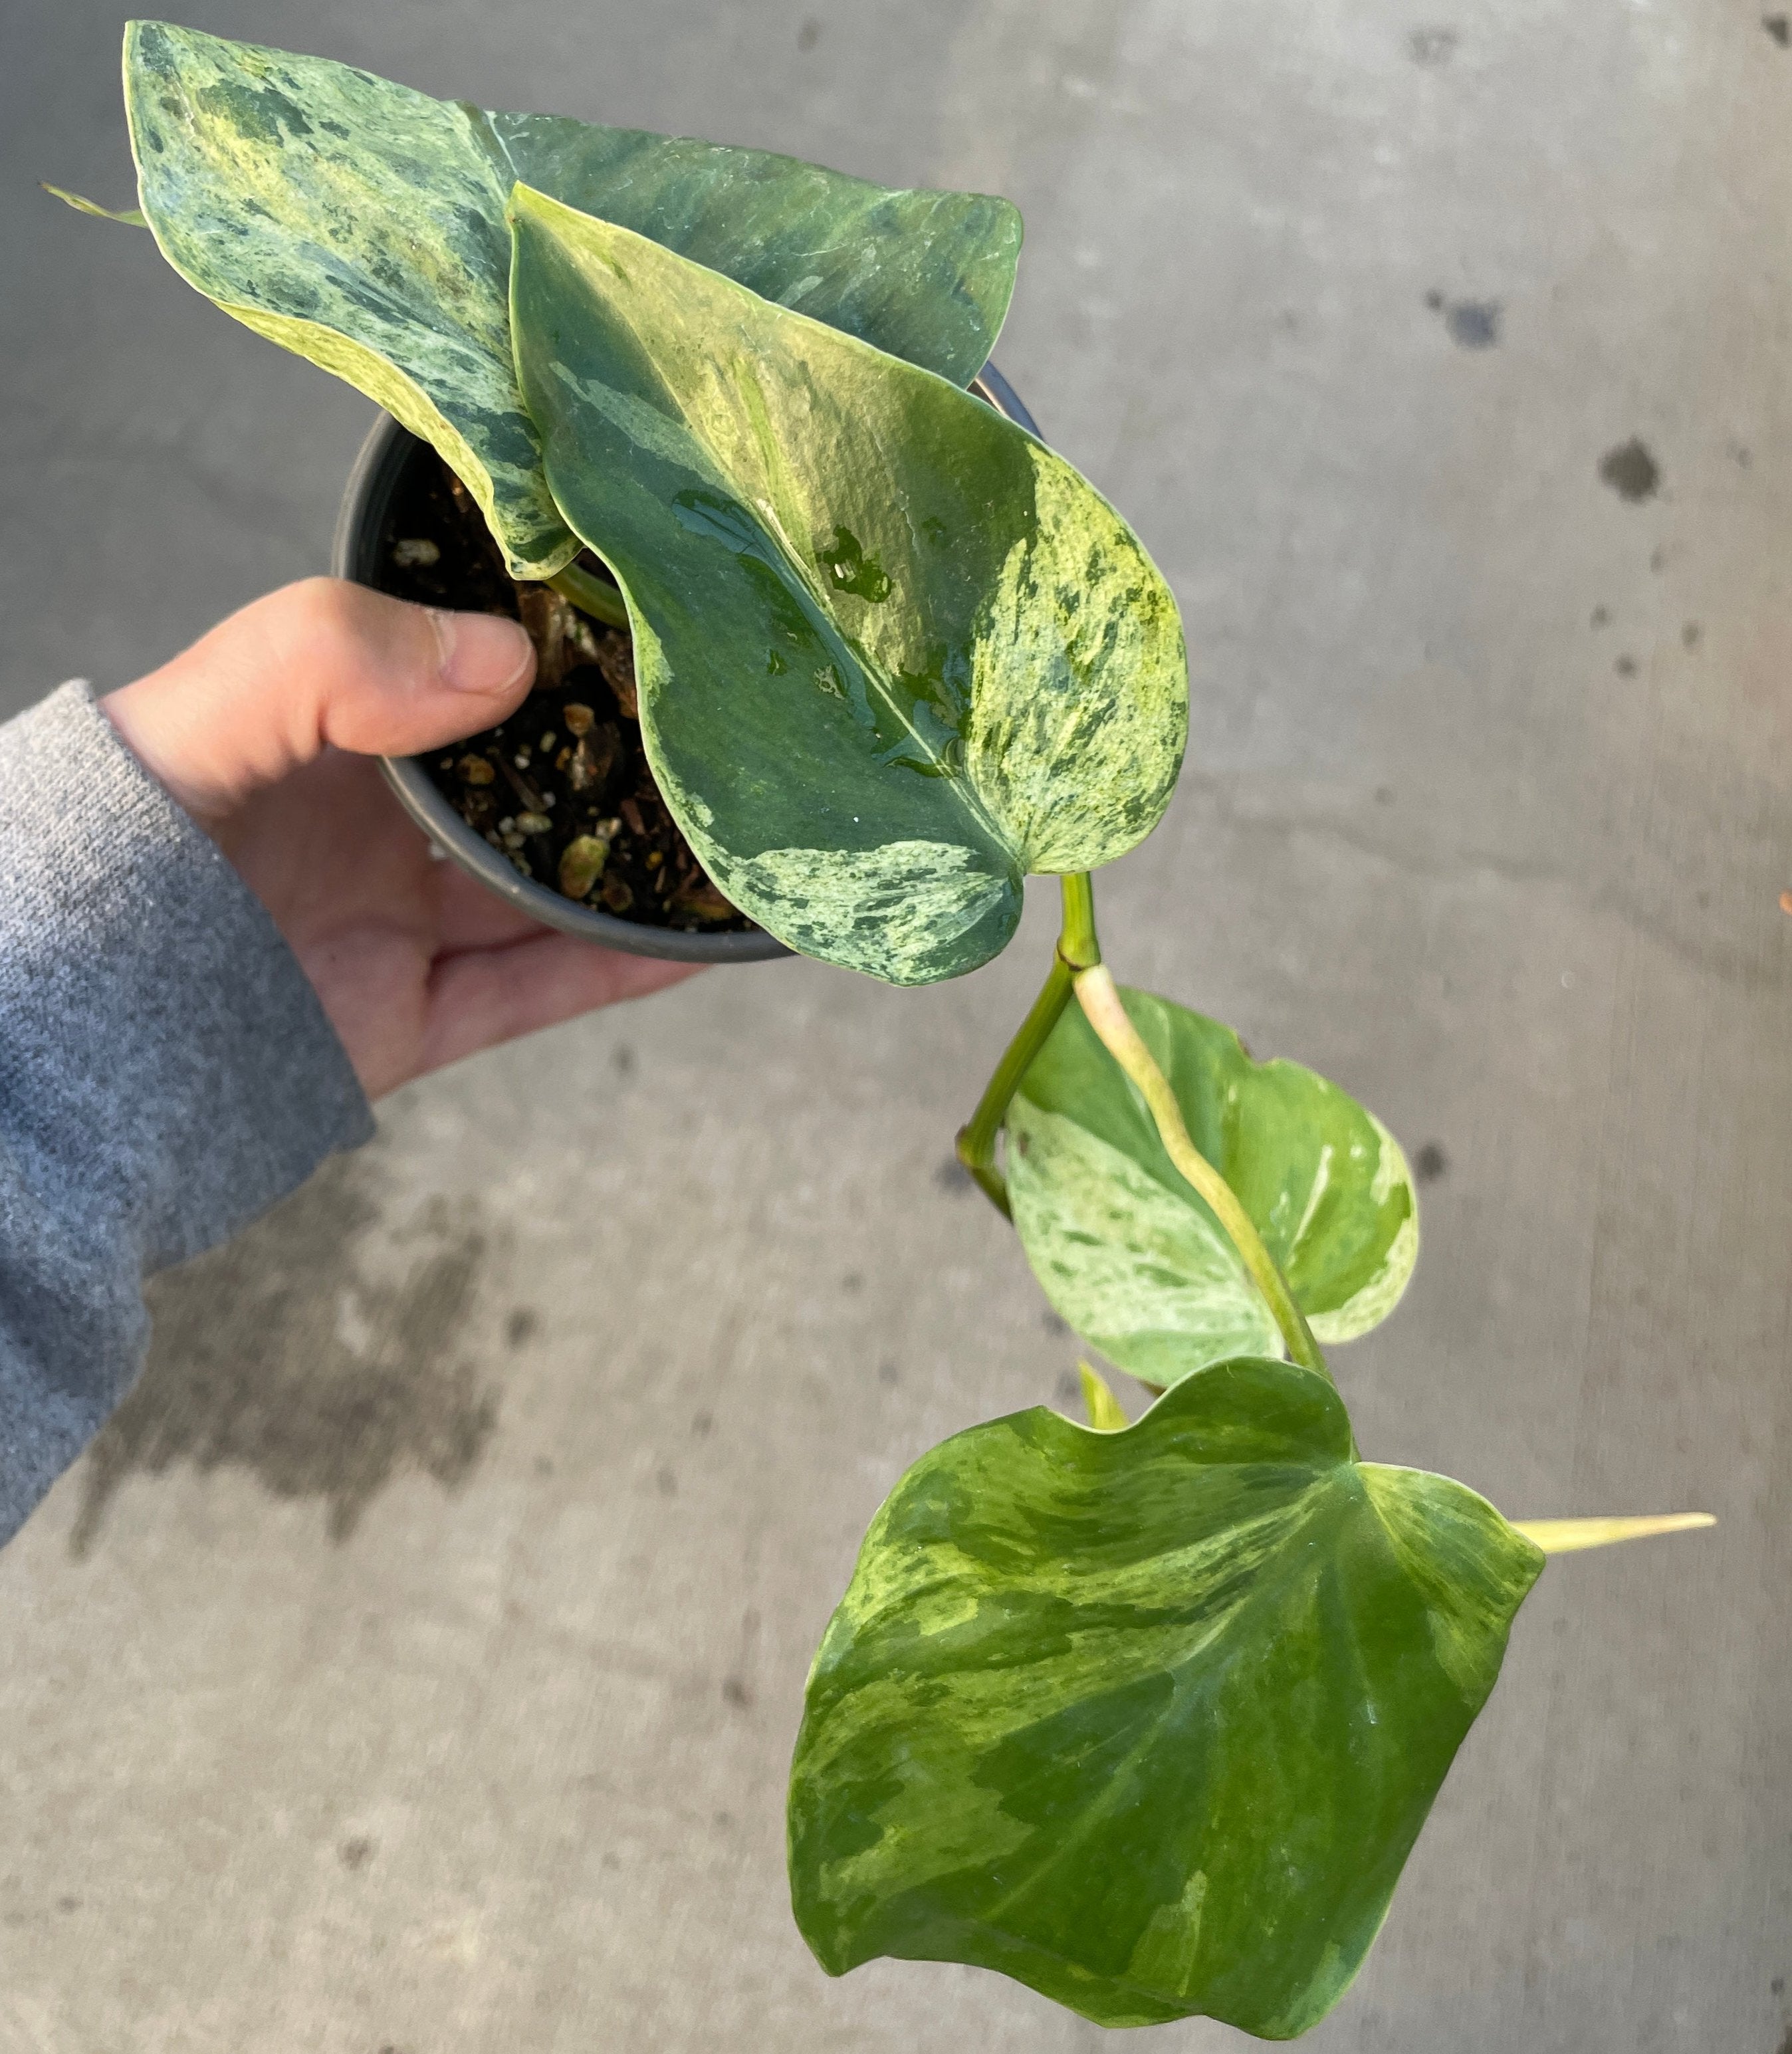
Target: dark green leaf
362 225
893 653
1148 1720
1134 1261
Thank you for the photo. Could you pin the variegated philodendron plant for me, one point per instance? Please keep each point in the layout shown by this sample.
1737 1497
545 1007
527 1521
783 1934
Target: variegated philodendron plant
1145 1716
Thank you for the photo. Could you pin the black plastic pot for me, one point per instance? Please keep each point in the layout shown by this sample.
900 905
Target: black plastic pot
385 456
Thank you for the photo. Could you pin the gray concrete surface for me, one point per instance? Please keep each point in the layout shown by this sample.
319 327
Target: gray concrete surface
413 1666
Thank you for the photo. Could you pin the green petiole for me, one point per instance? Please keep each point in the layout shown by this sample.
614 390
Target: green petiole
1078 949
595 595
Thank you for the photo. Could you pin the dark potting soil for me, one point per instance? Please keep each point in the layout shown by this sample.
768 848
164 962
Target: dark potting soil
562 788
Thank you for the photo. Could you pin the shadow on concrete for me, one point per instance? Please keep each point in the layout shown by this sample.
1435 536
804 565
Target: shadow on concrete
317 1350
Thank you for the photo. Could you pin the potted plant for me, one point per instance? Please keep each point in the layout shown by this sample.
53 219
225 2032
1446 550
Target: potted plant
1145 1716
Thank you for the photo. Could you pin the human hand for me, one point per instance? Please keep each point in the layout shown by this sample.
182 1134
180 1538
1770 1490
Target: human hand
264 730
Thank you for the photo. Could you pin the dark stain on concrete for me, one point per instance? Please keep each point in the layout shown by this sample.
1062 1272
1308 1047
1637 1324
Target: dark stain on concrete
1431 1163
951 1175
1430 47
1631 471
1692 635
1052 1324
809 34
1625 667
318 1351
1779 27
1785 2044
1473 324
1469 324
738 1688
356 1853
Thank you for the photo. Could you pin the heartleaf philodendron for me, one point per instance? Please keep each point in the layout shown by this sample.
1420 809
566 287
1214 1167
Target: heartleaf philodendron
362 224
1147 1717
1131 1256
1148 1720
892 653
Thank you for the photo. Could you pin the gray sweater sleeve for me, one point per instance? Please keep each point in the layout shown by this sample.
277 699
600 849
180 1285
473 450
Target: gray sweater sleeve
166 1072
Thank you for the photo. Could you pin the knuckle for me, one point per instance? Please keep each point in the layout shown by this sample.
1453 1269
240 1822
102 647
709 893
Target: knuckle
338 627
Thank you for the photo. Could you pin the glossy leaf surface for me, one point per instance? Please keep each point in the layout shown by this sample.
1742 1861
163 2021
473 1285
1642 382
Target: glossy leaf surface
362 224
893 653
1135 1261
1148 1720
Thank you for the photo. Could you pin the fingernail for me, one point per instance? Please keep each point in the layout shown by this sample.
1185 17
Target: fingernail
482 652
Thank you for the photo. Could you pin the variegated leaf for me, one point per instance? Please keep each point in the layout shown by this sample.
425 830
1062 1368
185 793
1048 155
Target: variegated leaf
893 653
362 224
1148 1720
1135 1261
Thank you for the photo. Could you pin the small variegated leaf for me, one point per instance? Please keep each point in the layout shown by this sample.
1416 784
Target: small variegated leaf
1148 1720
361 224
893 653
1133 1258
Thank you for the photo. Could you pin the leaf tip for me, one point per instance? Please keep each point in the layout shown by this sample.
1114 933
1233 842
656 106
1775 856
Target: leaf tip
1105 1414
132 217
1568 1537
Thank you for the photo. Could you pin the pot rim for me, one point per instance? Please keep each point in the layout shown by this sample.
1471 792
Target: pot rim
383 456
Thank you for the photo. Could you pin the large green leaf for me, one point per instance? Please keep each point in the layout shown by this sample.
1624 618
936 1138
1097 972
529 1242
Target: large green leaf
1134 1261
1148 1720
893 653
362 224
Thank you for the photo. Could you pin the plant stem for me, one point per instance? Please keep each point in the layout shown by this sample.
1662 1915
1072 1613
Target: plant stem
595 595
1100 1000
977 1141
1077 950
1078 947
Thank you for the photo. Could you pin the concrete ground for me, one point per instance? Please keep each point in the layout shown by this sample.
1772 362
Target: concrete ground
413 1666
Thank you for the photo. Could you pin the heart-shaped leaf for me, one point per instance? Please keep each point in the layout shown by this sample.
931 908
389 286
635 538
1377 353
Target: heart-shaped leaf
362 225
893 654
1134 1261
1148 1720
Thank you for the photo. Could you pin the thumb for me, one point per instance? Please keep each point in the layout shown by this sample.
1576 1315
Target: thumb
319 664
